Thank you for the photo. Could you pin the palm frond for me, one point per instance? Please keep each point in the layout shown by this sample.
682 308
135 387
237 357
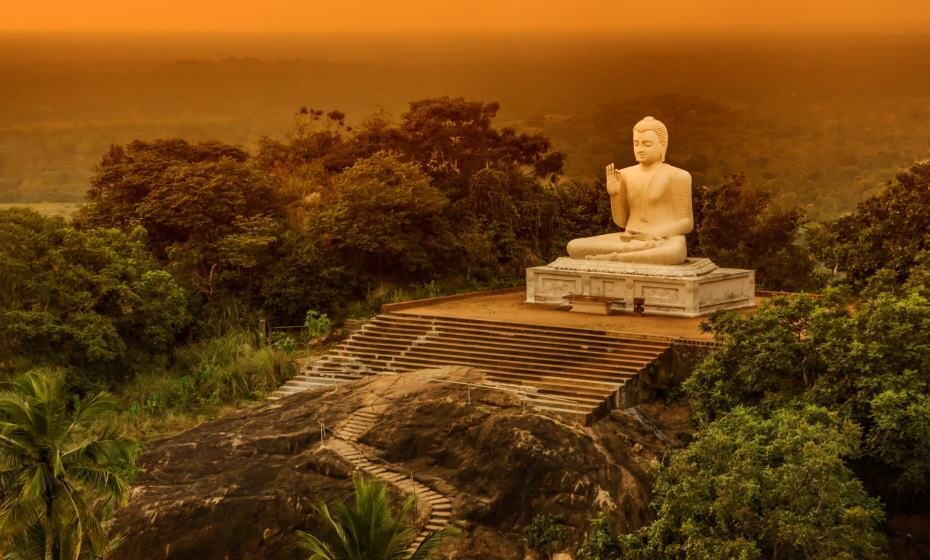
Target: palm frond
58 460
432 542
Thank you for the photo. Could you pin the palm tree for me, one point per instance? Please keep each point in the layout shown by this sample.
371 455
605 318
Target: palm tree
368 530
61 468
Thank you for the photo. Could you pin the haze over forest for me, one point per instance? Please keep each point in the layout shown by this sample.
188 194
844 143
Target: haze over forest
821 120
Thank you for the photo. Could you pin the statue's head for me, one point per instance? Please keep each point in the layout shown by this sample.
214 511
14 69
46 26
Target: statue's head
650 141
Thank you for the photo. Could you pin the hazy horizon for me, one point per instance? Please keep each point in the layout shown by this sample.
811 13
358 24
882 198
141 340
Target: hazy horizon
821 119
287 16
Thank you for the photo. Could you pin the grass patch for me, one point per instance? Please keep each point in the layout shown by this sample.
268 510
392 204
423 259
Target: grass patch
206 379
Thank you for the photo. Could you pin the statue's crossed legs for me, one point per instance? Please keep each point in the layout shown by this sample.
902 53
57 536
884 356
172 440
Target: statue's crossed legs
626 248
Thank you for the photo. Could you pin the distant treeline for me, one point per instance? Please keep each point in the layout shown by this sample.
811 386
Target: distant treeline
820 123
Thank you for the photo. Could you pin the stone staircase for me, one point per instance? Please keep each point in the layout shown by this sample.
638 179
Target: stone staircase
563 370
439 507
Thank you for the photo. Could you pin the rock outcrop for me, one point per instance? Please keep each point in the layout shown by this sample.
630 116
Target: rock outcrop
240 486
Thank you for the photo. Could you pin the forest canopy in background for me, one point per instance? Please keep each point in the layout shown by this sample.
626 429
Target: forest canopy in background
819 122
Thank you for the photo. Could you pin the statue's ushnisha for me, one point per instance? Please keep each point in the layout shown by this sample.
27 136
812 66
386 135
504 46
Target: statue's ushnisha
651 201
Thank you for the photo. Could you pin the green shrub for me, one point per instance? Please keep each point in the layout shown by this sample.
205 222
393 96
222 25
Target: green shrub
601 542
317 325
546 533
284 343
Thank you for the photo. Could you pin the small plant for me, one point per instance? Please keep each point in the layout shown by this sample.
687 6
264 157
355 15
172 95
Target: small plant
601 542
317 325
285 344
368 528
546 533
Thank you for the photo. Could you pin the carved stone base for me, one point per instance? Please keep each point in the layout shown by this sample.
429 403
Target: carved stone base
664 292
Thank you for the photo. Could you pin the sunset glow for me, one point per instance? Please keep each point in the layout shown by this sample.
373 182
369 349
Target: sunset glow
369 16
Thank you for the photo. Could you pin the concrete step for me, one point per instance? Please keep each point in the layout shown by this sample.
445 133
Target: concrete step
478 358
524 330
581 345
561 370
455 346
495 339
405 363
313 383
322 374
545 386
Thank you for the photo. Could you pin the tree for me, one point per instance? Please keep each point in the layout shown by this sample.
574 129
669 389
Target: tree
156 173
453 138
91 299
384 218
301 277
62 468
886 232
367 530
741 227
755 486
191 199
871 364
489 213
879 373
312 141
584 209
765 357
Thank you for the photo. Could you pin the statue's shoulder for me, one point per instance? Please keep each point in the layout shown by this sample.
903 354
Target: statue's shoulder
677 172
678 175
626 170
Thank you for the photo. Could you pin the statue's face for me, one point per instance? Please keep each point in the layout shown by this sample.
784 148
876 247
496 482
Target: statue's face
646 147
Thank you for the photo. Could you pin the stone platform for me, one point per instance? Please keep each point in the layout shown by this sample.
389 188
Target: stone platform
695 288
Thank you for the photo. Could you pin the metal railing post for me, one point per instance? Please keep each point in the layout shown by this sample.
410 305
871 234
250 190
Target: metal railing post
413 489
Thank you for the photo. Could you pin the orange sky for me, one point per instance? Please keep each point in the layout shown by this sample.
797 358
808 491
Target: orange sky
367 16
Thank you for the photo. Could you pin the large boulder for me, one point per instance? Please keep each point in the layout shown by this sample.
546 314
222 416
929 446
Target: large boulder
241 486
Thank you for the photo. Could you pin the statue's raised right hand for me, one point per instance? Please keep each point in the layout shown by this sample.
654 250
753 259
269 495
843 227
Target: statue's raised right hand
614 180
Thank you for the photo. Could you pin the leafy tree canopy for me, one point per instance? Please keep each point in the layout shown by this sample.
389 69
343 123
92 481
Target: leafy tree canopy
871 364
756 486
179 192
741 227
92 299
453 137
383 216
883 237
208 212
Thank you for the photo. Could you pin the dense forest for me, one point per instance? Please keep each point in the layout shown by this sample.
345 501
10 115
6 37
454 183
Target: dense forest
811 416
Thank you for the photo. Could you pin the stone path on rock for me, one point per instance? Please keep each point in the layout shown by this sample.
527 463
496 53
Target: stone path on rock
348 447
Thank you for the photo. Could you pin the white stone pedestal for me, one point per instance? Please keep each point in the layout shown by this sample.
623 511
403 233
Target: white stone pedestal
696 287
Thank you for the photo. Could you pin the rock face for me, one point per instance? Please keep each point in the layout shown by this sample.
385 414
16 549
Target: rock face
240 486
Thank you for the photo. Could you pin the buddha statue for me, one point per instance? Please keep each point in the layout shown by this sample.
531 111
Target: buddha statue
651 201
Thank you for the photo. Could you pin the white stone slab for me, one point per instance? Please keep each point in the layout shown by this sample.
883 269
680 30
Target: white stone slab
676 295
691 267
